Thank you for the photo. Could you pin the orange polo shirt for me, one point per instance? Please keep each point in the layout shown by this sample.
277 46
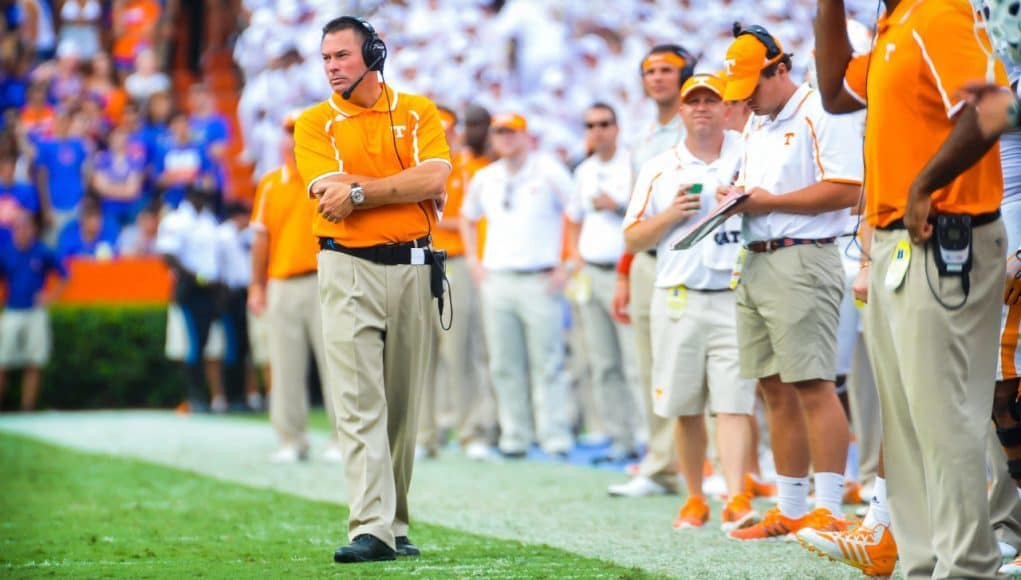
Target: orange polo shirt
337 137
285 212
925 51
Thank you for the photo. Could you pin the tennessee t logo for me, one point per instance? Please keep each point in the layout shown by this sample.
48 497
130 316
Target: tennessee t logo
787 138
730 66
399 131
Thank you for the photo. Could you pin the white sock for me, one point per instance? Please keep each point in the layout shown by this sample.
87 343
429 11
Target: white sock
792 496
879 510
829 492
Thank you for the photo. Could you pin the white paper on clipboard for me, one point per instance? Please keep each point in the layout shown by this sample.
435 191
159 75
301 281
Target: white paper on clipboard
709 223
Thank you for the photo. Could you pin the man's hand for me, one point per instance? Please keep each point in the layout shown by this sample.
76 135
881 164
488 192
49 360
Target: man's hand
685 203
334 200
992 104
1012 293
603 202
621 299
860 286
759 201
257 299
557 279
916 216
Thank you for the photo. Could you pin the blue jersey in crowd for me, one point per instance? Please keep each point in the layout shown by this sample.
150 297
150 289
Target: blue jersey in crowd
64 160
189 160
70 242
25 272
15 198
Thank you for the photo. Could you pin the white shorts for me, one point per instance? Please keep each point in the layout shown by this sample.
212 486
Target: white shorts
695 365
25 338
177 337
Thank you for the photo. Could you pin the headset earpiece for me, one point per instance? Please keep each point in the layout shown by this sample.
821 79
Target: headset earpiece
373 49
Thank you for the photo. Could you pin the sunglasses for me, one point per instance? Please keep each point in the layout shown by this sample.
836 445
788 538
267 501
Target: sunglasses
503 131
600 124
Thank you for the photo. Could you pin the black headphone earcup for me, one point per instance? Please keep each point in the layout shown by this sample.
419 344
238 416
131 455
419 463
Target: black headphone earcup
374 53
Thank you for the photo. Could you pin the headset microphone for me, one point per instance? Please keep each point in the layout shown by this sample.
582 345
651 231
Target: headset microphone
347 92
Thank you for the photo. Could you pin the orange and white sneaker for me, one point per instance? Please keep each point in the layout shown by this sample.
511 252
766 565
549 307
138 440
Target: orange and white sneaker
739 513
852 494
870 549
1011 569
694 514
823 520
774 526
756 488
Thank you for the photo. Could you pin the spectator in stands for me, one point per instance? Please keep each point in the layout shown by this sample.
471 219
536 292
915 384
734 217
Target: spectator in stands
38 115
134 27
156 125
61 171
37 28
118 177
139 239
15 79
181 163
131 123
147 79
16 197
67 83
79 23
25 339
87 236
209 127
234 254
102 86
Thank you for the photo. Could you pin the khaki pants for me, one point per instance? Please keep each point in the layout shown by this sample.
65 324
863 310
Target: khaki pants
660 461
610 350
863 399
380 347
462 388
295 327
935 370
524 330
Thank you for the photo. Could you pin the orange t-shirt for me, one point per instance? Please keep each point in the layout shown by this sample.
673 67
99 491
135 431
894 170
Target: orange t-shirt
285 213
465 165
337 137
38 120
924 52
138 19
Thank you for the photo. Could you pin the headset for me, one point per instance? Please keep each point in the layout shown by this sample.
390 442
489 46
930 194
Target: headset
773 50
373 51
679 51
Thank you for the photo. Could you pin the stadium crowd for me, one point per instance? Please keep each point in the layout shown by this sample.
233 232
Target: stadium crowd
576 320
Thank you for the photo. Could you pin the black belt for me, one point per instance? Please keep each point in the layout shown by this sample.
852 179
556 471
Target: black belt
301 275
976 221
404 253
710 290
605 267
651 253
771 245
526 272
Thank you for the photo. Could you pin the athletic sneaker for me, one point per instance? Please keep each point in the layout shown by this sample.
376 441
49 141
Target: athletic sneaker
640 486
694 514
824 520
870 549
853 494
739 513
1007 552
289 454
1011 569
758 488
333 454
774 526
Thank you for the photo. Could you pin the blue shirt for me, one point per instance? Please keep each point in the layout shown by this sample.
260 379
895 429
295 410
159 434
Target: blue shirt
209 131
15 198
187 159
118 171
70 243
64 159
25 272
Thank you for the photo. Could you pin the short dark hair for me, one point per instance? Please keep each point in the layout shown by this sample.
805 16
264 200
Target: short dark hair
770 71
345 23
606 107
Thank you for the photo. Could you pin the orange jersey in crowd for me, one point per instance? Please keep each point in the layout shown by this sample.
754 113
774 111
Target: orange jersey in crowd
924 53
285 213
135 22
338 137
465 165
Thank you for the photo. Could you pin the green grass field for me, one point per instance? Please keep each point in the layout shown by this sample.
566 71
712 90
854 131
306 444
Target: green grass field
74 514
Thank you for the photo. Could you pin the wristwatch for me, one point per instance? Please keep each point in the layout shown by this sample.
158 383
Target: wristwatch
357 195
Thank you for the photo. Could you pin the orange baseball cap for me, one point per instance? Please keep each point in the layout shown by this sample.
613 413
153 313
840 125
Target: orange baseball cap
512 121
746 57
711 82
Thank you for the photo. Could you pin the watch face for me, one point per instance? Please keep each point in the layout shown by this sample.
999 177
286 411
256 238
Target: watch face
357 195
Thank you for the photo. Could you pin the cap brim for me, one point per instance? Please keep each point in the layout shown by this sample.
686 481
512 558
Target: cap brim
740 89
707 88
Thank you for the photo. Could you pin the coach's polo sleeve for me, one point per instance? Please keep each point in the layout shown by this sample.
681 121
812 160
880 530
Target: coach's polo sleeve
428 140
315 151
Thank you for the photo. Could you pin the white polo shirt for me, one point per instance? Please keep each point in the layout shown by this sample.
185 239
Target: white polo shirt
802 146
656 139
601 241
707 265
524 212
191 237
234 253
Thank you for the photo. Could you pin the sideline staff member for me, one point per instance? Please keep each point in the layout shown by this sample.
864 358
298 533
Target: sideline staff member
377 161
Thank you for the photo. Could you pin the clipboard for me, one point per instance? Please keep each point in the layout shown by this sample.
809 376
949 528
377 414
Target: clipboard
709 223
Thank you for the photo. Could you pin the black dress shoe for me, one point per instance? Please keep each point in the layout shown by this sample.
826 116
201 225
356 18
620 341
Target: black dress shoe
406 549
364 548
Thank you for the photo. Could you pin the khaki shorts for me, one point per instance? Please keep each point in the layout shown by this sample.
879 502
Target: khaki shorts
694 356
25 338
177 337
258 339
788 310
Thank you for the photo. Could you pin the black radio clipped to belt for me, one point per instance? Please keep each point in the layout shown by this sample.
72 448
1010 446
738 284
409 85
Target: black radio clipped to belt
437 279
952 238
